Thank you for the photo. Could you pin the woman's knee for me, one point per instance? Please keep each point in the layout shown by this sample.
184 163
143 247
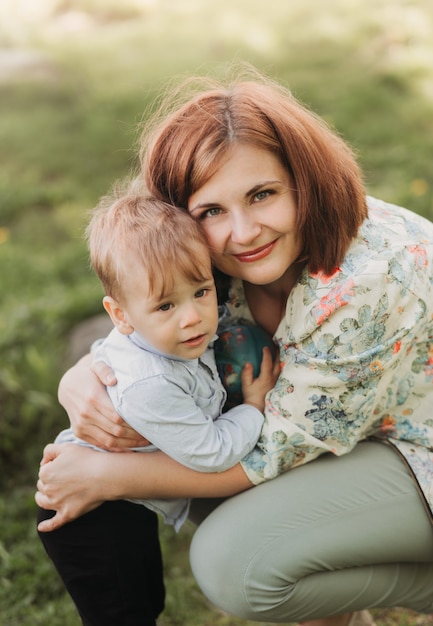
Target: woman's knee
268 584
235 569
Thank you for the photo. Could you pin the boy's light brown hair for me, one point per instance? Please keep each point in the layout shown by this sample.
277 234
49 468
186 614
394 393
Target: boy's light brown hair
133 232
181 153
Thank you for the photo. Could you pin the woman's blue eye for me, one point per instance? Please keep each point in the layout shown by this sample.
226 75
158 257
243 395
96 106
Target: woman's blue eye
261 195
210 212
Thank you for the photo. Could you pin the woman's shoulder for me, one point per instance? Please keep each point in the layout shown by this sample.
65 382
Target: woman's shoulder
385 271
393 224
132 359
391 235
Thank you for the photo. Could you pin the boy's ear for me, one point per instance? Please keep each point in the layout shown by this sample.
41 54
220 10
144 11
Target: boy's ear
117 315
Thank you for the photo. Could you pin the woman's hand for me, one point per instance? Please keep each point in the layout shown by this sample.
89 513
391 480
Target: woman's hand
68 483
83 395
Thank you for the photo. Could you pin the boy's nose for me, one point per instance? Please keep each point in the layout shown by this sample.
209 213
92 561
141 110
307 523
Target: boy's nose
190 316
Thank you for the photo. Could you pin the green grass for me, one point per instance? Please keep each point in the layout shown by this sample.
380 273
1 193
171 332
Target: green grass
68 129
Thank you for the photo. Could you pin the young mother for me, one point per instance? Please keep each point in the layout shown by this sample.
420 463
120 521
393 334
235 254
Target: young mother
344 283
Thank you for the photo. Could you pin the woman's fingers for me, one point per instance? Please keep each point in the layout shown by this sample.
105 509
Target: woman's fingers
104 373
67 483
90 410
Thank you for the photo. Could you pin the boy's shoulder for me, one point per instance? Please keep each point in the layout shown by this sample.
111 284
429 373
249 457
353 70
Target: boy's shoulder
131 361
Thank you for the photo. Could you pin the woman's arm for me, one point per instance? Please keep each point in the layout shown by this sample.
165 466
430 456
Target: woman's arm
74 480
83 395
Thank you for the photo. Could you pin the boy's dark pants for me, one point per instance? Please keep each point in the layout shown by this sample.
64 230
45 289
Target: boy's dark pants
110 562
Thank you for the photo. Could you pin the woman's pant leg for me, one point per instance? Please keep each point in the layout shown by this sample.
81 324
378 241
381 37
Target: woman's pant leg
338 534
110 562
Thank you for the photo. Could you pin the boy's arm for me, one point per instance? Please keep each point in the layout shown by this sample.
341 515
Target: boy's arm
170 418
165 414
163 410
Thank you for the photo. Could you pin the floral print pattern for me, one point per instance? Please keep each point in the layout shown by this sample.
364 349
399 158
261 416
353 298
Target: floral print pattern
357 353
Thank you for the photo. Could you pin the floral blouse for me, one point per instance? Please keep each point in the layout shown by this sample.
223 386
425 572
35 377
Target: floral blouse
356 349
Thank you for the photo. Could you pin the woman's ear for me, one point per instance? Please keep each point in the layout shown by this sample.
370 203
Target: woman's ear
117 315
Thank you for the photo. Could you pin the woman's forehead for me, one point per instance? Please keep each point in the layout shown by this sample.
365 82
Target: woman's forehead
245 169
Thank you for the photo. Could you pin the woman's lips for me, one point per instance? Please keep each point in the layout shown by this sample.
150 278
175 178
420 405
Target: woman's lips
257 254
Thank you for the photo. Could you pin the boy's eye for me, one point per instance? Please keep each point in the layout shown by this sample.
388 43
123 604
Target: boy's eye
200 293
165 307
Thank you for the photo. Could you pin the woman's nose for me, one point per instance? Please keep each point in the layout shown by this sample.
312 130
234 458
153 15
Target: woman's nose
244 228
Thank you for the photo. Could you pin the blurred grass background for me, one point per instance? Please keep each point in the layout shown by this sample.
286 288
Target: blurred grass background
76 79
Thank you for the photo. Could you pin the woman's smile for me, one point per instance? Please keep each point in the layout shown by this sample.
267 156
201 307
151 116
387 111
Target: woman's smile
257 254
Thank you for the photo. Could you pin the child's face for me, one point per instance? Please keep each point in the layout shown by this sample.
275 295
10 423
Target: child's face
182 323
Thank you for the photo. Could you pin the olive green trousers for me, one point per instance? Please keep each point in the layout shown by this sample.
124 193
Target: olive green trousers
338 534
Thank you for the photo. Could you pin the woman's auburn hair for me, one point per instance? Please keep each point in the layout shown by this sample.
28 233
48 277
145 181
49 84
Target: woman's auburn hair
193 140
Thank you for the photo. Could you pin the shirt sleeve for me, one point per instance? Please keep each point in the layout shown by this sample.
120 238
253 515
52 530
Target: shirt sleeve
165 414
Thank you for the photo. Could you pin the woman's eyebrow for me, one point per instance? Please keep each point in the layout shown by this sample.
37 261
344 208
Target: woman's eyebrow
203 205
260 186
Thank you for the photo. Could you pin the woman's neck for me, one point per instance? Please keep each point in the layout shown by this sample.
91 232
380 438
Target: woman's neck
267 303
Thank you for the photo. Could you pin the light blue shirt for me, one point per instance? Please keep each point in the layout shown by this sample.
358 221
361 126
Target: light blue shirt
176 404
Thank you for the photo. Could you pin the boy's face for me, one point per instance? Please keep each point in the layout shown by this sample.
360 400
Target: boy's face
182 323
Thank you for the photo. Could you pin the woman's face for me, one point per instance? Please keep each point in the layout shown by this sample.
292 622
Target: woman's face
248 212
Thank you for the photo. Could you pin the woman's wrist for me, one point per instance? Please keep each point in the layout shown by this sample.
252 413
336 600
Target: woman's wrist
114 476
126 475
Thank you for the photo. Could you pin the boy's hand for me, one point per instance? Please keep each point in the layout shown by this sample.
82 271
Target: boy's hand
254 390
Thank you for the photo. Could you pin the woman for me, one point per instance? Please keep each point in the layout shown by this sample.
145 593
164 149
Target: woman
343 283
